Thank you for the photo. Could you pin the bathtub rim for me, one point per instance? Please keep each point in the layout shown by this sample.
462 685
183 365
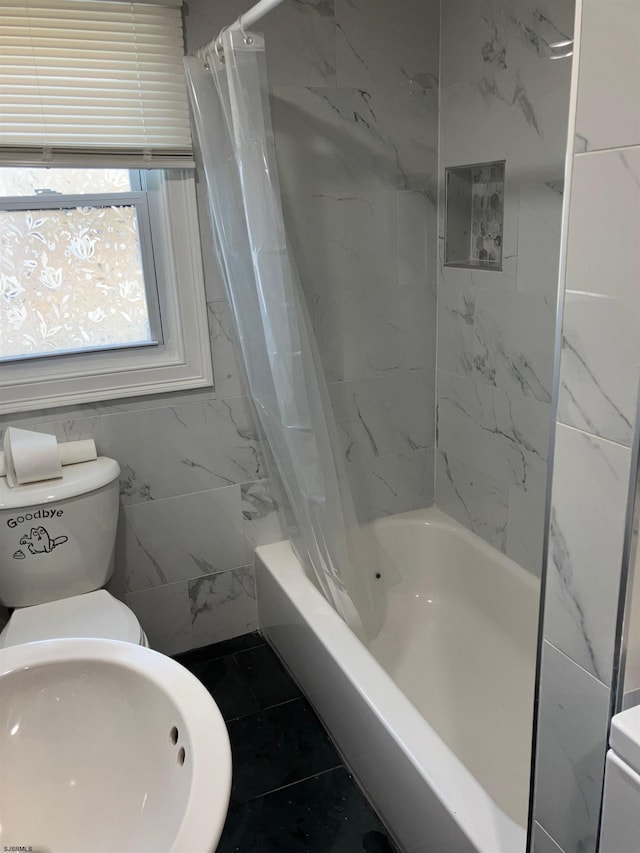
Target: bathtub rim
486 827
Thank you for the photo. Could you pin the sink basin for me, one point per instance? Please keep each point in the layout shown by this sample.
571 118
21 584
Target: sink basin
108 747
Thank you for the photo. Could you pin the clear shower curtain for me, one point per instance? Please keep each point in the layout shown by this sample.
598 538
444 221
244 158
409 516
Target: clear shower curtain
235 139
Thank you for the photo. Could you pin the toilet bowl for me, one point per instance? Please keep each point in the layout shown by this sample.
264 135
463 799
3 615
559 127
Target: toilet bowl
57 546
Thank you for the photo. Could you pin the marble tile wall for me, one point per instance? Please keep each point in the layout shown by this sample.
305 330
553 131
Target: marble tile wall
596 422
194 502
354 99
502 98
357 154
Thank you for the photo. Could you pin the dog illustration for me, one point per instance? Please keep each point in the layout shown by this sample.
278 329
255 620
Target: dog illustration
39 542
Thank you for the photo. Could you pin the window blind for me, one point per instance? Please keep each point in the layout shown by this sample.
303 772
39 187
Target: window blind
96 82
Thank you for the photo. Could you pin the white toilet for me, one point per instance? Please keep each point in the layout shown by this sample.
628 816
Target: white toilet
620 825
57 548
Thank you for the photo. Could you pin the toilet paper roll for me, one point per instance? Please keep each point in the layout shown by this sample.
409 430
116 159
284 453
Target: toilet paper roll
30 456
71 453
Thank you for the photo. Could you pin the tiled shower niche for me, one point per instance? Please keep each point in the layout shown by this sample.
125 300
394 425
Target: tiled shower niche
474 206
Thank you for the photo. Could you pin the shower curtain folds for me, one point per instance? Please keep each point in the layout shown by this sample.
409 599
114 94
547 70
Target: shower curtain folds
235 140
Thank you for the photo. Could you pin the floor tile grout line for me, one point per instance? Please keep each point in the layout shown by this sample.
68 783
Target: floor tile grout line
291 785
238 670
200 649
243 675
245 679
248 686
266 708
284 702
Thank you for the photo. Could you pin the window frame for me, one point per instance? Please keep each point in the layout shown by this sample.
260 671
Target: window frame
137 198
180 361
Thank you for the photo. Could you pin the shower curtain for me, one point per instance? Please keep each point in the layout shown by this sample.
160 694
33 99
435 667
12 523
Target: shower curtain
235 141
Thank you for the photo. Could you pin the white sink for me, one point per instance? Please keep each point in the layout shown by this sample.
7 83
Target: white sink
108 747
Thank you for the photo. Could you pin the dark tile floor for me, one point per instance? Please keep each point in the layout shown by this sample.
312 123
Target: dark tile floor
290 792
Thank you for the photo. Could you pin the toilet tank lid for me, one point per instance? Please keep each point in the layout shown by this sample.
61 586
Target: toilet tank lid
76 480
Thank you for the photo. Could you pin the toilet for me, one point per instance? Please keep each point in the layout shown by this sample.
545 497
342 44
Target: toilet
620 822
57 549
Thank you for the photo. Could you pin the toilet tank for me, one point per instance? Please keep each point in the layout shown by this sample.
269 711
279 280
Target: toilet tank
57 537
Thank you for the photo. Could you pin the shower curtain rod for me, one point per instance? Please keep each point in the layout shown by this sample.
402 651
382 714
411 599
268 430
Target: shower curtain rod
245 21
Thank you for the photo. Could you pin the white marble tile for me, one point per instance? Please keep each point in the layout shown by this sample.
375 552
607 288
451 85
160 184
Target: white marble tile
604 222
471 126
261 519
479 123
300 37
525 525
165 615
501 90
505 435
179 538
389 484
456 315
608 106
417 238
602 304
598 369
572 733
343 240
388 331
474 498
350 140
543 842
407 120
588 508
384 44
539 227
223 605
173 449
203 21
387 415
178 449
228 376
48 418
500 39
513 346
325 314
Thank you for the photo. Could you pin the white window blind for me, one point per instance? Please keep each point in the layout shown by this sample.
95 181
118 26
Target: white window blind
94 81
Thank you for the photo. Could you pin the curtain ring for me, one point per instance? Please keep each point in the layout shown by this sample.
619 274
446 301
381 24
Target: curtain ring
248 39
218 45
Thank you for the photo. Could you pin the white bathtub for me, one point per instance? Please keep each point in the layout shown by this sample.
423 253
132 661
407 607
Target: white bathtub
434 717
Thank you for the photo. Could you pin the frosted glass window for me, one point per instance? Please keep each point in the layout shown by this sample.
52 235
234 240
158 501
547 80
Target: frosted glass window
39 181
72 276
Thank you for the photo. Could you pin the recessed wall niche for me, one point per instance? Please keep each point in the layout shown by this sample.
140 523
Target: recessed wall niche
474 206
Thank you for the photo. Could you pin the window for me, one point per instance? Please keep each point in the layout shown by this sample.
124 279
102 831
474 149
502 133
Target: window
101 287
163 339
76 262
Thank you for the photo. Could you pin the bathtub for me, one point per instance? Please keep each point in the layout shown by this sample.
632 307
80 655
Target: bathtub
434 716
